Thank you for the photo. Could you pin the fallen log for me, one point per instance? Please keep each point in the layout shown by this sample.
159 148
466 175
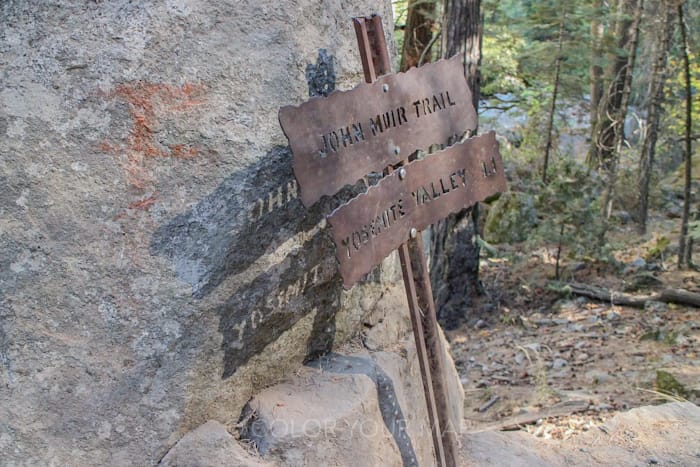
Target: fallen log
677 296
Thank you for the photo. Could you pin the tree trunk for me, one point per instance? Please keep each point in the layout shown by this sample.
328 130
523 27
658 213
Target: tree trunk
656 94
461 35
685 246
418 34
550 123
454 249
596 69
618 122
605 133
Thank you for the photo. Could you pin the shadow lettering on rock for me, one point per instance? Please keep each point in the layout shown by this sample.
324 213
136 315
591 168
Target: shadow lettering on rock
305 281
249 215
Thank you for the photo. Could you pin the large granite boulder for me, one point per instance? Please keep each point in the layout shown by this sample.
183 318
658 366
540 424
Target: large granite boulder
156 266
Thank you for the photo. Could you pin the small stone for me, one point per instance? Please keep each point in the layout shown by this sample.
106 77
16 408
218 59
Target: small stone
481 324
597 376
613 315
559 363
519 358
624 217
655 307
638 263
535 346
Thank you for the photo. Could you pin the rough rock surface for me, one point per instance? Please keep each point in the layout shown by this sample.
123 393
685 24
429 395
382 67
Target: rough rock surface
653 435
354 406
156 266
210 445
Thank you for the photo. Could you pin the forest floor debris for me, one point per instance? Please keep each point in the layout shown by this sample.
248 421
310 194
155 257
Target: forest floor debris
557 367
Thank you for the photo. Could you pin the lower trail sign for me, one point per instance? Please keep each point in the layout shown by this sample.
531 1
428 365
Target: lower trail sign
374 127
412 198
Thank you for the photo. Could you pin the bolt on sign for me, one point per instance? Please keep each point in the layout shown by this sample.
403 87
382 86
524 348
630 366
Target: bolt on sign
375 223
337 140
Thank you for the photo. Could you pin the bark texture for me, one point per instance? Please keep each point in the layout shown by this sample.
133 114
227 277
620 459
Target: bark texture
685 247
610 160
418 35
608 123
454 249
656 95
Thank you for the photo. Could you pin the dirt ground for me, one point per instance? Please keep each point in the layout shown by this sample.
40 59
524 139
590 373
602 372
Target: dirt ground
556 366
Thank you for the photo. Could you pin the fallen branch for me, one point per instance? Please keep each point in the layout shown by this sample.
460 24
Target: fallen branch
488 405
678 296
562 409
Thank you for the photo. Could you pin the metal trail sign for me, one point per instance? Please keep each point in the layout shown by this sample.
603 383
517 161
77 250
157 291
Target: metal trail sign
341 138
375 223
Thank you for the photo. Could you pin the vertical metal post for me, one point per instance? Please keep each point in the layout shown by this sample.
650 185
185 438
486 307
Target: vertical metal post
424 293
375 62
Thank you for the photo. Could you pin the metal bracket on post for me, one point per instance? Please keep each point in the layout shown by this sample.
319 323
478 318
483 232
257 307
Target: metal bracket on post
375 62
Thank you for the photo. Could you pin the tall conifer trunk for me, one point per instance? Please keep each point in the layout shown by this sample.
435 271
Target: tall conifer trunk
685 246
617 124
656 94
454 249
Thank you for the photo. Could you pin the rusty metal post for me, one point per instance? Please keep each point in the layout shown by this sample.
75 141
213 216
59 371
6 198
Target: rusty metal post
375 62
424 292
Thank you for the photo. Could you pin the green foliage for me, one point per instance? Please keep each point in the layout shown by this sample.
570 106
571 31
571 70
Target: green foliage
673 124
570 200
666 383
694 230
520 46
657 251
510 218
500 71
400 9
520 49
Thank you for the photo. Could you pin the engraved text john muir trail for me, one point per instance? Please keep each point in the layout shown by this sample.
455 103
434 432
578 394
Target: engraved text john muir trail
337 140
334 141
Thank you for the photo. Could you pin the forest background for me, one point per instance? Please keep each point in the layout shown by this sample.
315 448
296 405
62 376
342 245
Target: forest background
595 103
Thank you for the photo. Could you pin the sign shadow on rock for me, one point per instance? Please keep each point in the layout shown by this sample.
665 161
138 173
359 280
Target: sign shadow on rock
250 215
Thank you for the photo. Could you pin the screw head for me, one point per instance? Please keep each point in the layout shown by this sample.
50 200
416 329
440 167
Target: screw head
414 232
402 173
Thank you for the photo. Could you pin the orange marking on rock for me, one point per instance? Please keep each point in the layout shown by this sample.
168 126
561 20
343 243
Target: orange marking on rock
144 204
148 103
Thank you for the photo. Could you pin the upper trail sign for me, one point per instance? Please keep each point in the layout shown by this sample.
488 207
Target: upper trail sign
375 223
337 140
